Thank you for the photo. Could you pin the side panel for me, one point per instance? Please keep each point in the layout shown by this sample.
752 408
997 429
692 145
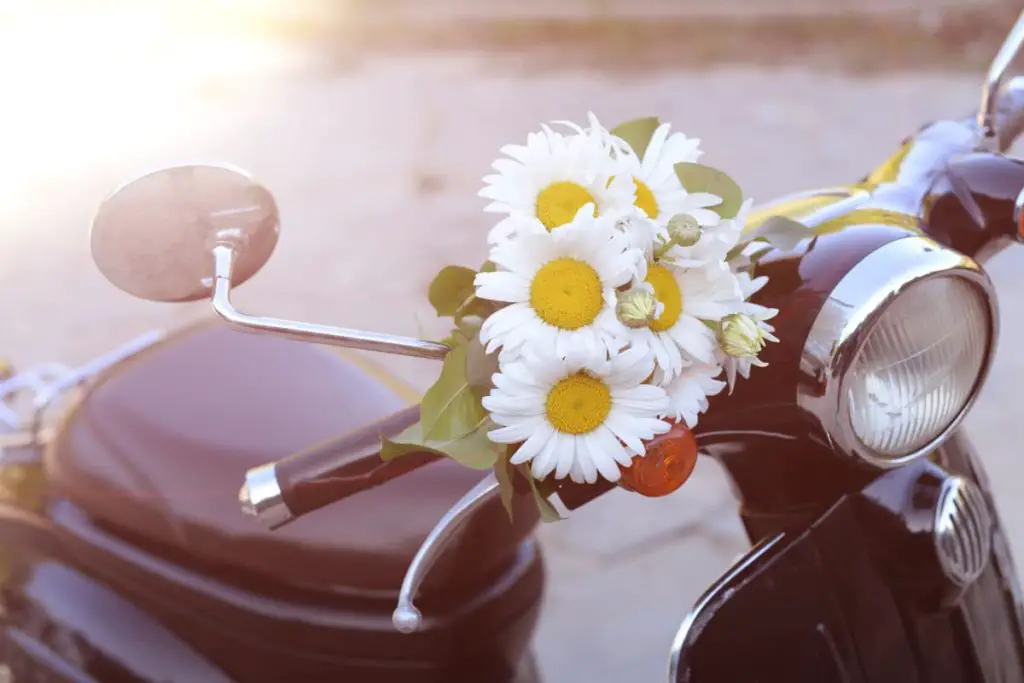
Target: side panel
59 621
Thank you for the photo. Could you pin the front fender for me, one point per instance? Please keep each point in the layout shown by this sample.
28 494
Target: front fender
856 595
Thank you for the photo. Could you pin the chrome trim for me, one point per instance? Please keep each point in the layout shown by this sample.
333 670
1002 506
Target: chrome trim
689 628
962 531
987 124
224 255
261 497
1018 215
83 373
407 618
848 315
45 383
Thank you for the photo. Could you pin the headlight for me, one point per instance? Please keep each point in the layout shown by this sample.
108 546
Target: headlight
899 350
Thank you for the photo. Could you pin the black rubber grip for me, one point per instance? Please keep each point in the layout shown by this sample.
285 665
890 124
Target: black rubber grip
339 468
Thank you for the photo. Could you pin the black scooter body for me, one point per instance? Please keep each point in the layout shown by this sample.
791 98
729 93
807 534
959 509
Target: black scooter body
130 518
131 511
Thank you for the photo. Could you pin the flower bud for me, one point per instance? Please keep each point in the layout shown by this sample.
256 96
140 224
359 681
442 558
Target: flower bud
740 336
684 230
636 308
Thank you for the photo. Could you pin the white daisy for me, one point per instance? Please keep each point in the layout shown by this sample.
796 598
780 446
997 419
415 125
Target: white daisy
689 391
560 287
544 184
690 296
577 418
642 233
659 194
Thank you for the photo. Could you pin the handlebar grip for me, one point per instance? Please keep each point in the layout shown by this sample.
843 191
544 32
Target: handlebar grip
281 492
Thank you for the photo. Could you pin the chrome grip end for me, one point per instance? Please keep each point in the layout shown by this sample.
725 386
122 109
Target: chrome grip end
261 497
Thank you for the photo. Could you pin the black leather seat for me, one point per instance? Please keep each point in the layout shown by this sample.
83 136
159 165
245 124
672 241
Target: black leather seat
159 446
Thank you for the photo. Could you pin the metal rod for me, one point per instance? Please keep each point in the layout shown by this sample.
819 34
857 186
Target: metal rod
224 256
406 618
994 79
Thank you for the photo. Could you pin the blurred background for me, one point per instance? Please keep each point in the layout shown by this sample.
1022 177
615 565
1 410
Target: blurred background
373 121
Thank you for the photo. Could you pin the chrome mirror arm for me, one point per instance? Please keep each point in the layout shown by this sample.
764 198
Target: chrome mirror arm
406 618
224 256
997 71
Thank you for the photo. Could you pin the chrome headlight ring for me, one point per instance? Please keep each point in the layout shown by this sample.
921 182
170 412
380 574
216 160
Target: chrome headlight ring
845 322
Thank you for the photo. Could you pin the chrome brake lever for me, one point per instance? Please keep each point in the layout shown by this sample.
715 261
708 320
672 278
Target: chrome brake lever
406 618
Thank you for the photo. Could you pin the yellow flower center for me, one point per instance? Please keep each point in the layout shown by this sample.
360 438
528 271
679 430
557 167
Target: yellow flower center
566 293
667 291
558 203
578 404
645 200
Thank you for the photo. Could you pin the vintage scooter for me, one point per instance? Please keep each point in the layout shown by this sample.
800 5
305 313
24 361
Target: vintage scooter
877 551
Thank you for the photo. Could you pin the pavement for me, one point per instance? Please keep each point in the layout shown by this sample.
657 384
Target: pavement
375 169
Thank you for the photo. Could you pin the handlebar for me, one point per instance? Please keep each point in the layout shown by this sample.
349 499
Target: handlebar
278 493
281 492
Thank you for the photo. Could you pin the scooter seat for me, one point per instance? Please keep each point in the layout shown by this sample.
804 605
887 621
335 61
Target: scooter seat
158 447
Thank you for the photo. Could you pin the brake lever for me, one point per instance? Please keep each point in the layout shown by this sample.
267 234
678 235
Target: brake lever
406 617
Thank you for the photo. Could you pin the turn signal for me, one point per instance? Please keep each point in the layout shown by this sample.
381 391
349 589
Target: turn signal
665 467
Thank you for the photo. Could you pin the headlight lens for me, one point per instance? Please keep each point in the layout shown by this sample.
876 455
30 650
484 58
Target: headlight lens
917 368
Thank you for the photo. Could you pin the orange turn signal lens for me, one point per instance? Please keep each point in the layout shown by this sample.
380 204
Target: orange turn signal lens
666 466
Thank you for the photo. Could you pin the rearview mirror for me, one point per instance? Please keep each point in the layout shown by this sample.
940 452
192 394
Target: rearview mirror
154 237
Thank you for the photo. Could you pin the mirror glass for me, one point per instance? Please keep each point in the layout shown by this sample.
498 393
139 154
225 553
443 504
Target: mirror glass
154 236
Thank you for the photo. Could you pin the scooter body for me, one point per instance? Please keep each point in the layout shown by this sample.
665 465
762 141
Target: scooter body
139 529
125 557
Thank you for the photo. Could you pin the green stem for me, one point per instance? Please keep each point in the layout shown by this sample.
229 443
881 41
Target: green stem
664 248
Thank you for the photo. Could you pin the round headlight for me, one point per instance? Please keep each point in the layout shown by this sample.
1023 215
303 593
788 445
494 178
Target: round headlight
899 350
918 366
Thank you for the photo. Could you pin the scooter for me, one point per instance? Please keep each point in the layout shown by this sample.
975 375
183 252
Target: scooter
877 552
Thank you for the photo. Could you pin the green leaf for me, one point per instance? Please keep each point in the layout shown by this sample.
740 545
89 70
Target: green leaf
505 473
450 289
488 267
480 367
638 133
450 409
472 450
701 178
781 232
548 513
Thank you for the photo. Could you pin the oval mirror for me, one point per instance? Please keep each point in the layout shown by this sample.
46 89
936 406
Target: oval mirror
154 237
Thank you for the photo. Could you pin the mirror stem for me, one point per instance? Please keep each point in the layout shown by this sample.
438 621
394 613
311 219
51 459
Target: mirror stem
993 80
224 257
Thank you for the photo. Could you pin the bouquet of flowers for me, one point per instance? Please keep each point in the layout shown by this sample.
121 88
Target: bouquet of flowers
615 301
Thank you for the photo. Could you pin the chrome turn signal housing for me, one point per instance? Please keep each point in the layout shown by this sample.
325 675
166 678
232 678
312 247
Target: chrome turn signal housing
898 351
